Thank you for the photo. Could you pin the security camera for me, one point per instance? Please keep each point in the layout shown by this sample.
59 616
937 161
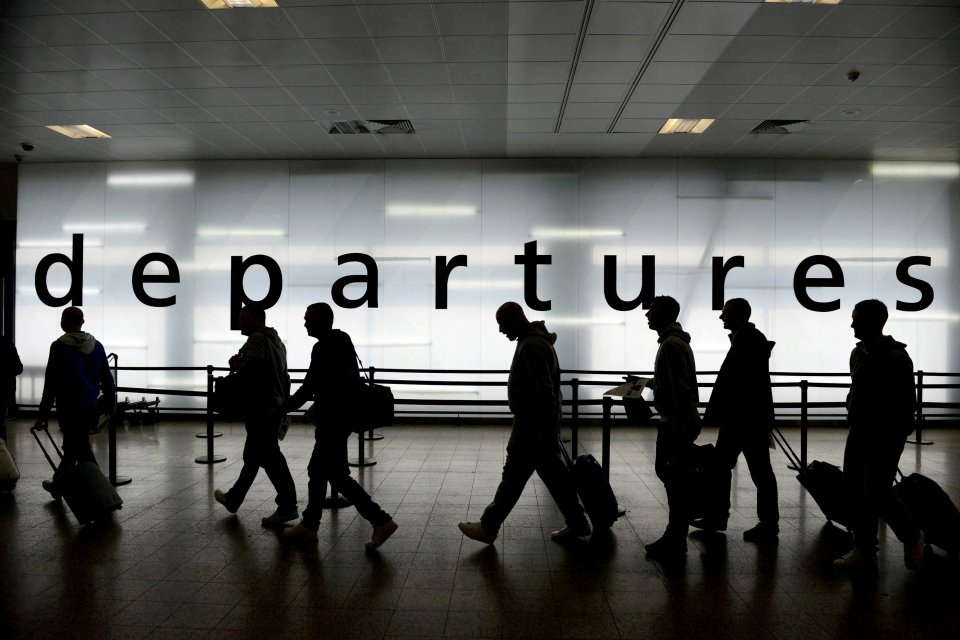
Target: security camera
18 158
852 75
26 146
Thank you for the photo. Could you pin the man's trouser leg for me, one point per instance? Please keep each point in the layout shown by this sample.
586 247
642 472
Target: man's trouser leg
517 470
729 447
756 451
673 468
276 468
558 479
252 461
342 482
75 427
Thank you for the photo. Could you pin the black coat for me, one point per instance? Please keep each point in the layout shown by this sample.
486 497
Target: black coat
742 392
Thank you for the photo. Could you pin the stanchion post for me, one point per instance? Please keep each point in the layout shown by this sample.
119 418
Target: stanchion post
918 439
371 434
804 386
210 458
605 443
115 480
575 417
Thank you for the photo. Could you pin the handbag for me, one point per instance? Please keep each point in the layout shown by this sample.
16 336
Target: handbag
228 394
374 405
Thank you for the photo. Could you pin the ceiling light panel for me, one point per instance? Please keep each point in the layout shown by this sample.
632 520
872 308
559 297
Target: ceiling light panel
239 4
77 130
686 125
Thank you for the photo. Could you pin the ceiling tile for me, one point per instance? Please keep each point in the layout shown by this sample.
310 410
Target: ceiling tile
720 18
281 52
38 59
648 92
280 113
371 94
615 48
485 72
911 75
409 49
584 125
327 22
648 110
689 73
475 48
244 76
76 80
691 48
96 57
211 97
265 96
796 74
471 18
121 27
218 54
186 26
535 92
558 16
357 74
598 92
489 93
628 18
417 73
187 78
770 94
184 115
536 72
783 20
604 72
758 48
302 75
258 25
156 55
346 50
433 110
823 49
532 48
925 22
400 20
318 95
426 94
605 110
235 114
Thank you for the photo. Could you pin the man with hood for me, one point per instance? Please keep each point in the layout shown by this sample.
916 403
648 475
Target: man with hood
880 408
742 405
332 382
533 393
77 372
675 397
261 364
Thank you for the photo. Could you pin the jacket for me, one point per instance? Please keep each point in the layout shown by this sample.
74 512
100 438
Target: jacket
742 393
883 394
263 370
77 371
674 383
333 376
533 386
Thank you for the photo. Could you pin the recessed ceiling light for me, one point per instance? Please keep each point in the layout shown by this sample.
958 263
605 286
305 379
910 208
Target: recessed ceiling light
686 125
850 112
77 130
239 4
331 112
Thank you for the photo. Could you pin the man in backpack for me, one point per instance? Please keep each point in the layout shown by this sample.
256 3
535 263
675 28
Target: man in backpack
332 382
77 372
261 365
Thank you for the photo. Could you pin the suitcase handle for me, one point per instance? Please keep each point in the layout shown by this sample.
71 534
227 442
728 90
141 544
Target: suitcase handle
45 428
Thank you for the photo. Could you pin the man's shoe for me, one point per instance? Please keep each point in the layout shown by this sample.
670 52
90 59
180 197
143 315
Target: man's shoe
475 531
51 489
761 533
668 547
381 533
569 533
221 497
913 553
857 560
710 524
278 517
300 533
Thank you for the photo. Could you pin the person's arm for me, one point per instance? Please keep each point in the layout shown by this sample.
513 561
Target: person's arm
307 388
677 385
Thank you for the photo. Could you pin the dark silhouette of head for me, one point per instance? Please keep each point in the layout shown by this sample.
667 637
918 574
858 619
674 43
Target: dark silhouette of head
867 319
663 312
251 319
735 314
71 320
512 321
318 319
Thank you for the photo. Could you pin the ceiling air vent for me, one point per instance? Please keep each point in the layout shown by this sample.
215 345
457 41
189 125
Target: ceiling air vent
780 127
382 127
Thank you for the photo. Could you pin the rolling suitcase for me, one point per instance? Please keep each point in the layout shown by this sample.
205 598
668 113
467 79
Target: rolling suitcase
822 480
84 488
595 492
707 477
9 474
932 510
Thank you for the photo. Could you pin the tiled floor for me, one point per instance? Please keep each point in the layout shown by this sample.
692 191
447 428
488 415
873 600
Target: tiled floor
176 565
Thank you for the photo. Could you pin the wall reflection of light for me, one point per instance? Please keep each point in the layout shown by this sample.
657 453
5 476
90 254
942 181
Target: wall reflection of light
151 179
915 169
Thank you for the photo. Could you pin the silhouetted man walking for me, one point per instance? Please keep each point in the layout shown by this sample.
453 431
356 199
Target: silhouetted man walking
77 372
261 364
742 405
332 382
676 397
10 368
533 392
880 408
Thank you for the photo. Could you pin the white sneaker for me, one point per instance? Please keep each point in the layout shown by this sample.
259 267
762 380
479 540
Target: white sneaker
857 560
913 553
569 533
